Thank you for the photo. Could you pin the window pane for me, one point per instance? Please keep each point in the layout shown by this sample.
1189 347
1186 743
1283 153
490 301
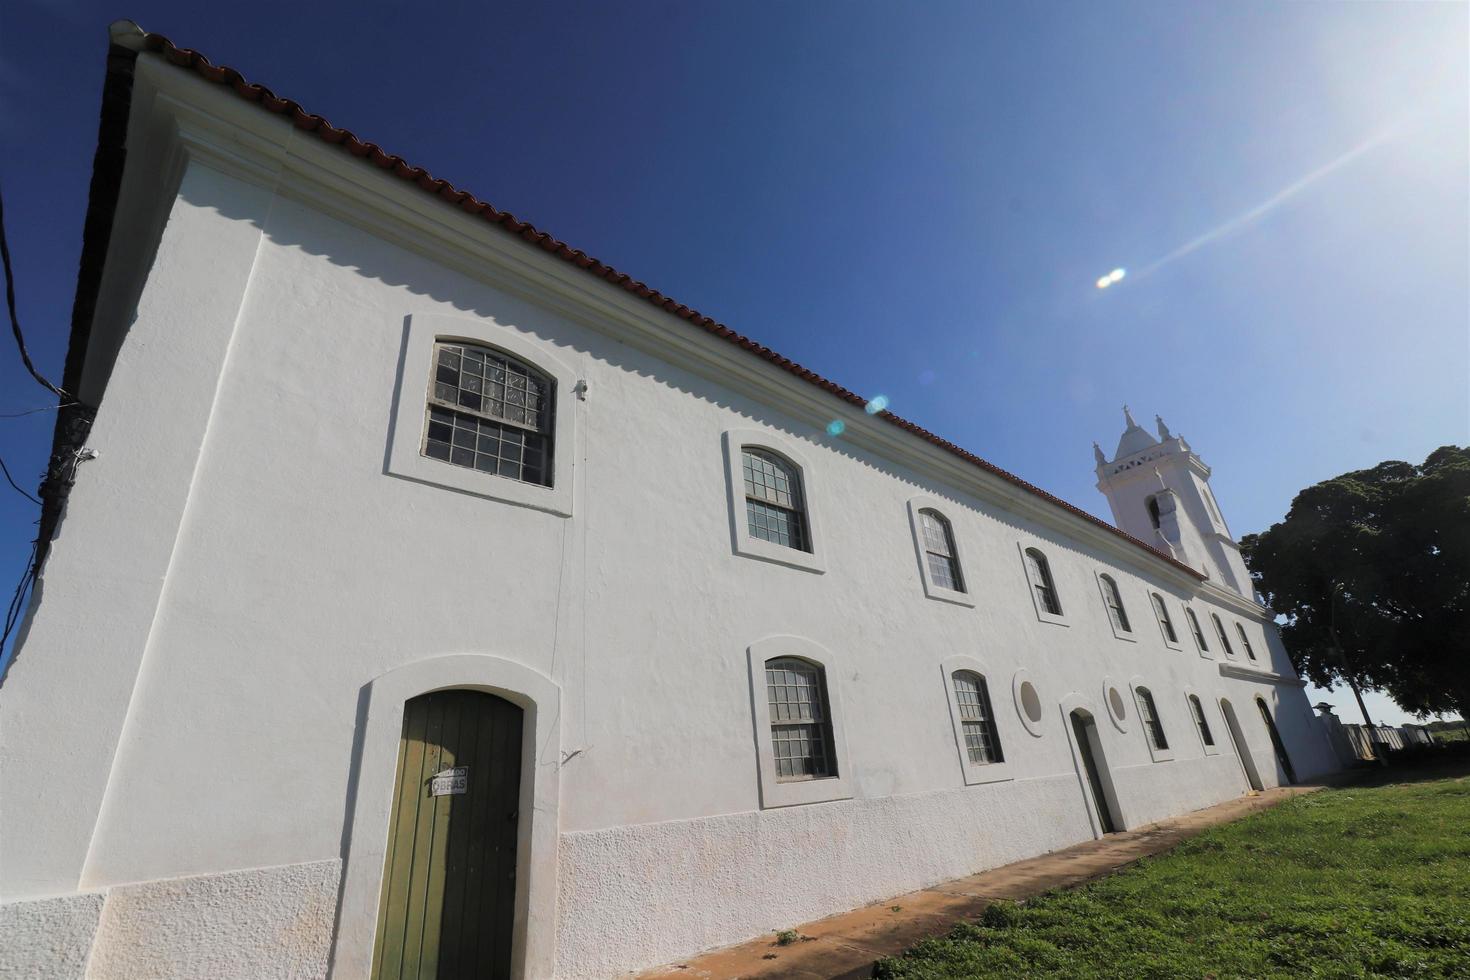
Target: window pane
491 385
773 503
982 741
800 732
490 447
1040 573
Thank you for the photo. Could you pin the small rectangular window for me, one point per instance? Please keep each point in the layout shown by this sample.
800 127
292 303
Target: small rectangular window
1150 717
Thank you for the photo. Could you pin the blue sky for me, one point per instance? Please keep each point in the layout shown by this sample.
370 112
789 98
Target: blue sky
914 200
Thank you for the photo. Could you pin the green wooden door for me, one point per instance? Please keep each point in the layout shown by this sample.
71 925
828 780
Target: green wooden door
449 882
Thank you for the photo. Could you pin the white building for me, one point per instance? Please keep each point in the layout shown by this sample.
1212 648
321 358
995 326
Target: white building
709 670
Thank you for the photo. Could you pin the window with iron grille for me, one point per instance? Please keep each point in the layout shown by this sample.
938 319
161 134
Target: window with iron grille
1220 632
1150 716
939 551
801 727
1165 623
1245 641
977 721
1114 599
1199 720
488 411
1199 634
1039 571
773 506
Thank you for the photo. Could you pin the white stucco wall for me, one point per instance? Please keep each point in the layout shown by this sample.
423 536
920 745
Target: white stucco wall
283 568
48 937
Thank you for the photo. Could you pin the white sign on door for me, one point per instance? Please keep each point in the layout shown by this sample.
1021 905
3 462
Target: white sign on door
450 782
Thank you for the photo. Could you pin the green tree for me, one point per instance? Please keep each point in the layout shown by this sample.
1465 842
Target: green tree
1371 571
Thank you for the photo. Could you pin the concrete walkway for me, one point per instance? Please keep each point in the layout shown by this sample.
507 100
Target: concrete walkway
845 946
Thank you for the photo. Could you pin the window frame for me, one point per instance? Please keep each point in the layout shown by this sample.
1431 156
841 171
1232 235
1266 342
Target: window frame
1127 633
1160 606
1165 754
1191 697
775 792
1222 636
742 542
481 416
1197 631
960 597
1042 613
411 398
977 773
1245 641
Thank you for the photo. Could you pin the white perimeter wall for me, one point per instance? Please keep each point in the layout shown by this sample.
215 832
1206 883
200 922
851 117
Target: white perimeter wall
299 572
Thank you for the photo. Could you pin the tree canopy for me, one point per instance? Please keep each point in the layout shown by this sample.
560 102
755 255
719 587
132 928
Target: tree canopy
1371 571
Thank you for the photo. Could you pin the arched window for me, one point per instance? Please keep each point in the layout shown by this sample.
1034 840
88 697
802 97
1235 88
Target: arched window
774 509
1039 572
1199 634
1245 641
1114 600
801 723
1224 639
939 551
488 411
1165 623
982 741
1153 510
1199 720
1150 716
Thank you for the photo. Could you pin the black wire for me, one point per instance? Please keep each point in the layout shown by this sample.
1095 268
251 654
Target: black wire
17 601
33 411
15 320
11 480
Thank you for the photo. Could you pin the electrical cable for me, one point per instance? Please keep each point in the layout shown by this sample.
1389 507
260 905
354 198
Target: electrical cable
33 411
17 601
11 480
14 319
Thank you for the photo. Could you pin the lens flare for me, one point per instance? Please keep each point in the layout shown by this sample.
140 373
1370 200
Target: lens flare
836 427
878 404
1115 276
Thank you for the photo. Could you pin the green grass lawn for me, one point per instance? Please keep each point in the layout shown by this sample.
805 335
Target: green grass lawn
1372 880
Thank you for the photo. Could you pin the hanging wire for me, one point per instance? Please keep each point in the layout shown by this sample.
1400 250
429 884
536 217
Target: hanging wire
11 480
20 341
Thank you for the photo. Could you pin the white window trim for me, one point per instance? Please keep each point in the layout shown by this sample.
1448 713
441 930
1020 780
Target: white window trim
1214 726
931 588
741 540
1056 619
1102 590
1036 728
775 793
1203 626
976 773
410 396
1178 623
1158 755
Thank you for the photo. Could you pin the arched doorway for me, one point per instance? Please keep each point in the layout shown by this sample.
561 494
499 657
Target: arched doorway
449 877
1242 749
1276 744
1094 766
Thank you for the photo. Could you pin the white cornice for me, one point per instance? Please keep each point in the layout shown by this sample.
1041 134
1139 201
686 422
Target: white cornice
223 131
1259 676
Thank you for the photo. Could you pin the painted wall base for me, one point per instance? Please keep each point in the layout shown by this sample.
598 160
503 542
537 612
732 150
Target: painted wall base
260 924
48 937
637 896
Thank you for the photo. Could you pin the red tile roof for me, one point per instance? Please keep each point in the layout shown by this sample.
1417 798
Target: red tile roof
351 143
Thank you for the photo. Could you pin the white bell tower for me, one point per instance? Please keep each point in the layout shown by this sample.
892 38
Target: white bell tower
1159 490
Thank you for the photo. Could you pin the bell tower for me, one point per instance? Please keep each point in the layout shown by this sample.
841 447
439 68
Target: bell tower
1159 490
